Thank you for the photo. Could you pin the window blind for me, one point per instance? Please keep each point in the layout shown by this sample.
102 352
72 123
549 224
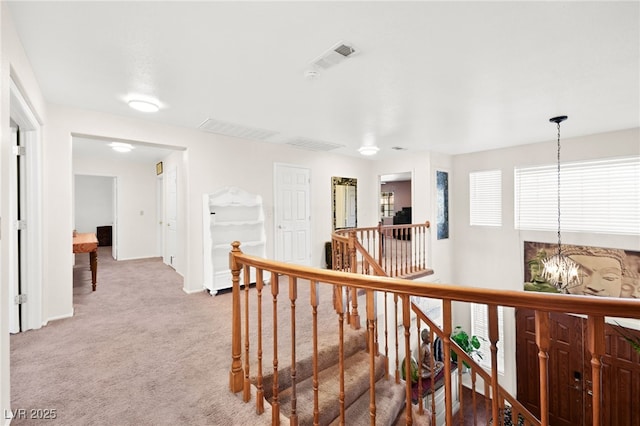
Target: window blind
480 328
595 196
485 198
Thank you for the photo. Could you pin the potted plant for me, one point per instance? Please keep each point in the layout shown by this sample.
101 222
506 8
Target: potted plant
469 344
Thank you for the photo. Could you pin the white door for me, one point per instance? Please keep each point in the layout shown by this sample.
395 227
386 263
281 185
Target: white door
292 214
159 215
172 218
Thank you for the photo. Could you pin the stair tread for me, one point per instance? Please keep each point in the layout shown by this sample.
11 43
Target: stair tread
354 342
356 383
390 399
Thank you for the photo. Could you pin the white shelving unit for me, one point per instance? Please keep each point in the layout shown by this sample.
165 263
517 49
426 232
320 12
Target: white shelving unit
230 214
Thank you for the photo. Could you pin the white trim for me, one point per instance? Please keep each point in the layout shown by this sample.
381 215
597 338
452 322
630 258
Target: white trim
59 317
193 291
30 133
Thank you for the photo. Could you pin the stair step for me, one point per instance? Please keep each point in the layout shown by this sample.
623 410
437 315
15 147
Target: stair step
354 341
356 383
390 400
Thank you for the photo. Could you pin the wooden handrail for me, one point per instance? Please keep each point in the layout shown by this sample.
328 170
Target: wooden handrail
400 250
486 377
349 284
551 302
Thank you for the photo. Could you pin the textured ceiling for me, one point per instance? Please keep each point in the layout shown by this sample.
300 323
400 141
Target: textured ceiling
451 77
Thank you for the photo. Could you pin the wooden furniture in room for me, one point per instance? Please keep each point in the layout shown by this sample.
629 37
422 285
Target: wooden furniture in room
104 234
88 243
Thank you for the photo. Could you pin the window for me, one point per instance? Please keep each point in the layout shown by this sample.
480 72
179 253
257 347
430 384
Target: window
480 328
386 204
595 196
485 198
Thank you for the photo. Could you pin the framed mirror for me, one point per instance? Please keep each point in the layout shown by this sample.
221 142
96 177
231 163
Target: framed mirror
344 201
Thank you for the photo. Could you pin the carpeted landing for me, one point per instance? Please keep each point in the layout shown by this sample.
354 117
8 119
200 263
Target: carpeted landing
139 351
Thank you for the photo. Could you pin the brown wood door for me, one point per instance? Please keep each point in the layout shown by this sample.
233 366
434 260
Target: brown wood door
566 367
570 381
620 380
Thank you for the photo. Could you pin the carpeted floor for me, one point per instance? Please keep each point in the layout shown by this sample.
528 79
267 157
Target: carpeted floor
139 351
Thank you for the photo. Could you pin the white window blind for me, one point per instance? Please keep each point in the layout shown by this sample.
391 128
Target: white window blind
480 328
595 196
485 198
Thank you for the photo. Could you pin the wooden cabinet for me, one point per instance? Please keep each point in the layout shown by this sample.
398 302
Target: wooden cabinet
230 214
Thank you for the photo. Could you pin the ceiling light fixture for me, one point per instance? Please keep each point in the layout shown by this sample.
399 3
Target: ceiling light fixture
144 106
559 269
368 150
121 146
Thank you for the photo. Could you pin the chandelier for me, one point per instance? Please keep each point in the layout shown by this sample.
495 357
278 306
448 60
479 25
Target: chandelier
559 270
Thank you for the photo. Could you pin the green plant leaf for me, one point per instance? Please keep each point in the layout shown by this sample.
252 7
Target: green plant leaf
475 342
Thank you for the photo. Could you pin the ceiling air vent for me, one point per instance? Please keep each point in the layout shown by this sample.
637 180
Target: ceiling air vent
312 145
235 130
398 148
334 56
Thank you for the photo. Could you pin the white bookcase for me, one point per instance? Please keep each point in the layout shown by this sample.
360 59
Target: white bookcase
230 214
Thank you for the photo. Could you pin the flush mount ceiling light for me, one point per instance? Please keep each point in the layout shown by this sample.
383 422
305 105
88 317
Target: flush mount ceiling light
144 106
560 270
368 150
121 146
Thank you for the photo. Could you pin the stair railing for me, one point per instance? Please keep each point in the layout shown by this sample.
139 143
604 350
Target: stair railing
594 308
400 250
490 379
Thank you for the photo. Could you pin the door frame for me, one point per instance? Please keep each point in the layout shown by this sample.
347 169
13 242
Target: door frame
31 283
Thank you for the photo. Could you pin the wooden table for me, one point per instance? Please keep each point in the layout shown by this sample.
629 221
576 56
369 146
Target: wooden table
88 243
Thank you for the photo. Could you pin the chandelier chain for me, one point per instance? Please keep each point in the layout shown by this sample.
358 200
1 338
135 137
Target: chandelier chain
559 241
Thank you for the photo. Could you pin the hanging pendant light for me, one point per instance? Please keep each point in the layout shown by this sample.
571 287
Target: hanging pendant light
560 270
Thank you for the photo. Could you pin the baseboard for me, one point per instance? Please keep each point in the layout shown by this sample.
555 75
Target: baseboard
192 291
59 317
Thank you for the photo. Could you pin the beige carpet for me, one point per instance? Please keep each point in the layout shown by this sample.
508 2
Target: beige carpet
139 351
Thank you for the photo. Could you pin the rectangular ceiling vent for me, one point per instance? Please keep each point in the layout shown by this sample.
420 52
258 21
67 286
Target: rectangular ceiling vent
334 56
235 130
312 145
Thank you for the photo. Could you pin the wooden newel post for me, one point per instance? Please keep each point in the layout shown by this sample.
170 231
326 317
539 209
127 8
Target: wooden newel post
236 374
543 331
595 335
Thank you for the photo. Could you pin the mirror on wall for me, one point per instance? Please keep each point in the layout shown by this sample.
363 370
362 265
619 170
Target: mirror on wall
344 202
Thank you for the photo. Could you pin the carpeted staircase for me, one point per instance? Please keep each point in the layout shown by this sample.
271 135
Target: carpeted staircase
390 397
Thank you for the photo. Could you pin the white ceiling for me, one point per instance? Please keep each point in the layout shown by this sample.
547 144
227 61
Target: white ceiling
451 77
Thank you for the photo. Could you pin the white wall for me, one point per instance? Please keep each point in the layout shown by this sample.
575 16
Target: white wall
13 64
135 202
493 257
93 201
423 167
210 162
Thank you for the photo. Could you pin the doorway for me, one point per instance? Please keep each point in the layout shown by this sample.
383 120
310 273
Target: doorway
292 214
95 208
24 257
395 199
570 380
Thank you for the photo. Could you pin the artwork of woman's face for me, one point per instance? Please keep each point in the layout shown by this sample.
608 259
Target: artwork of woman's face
600 275
630 288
